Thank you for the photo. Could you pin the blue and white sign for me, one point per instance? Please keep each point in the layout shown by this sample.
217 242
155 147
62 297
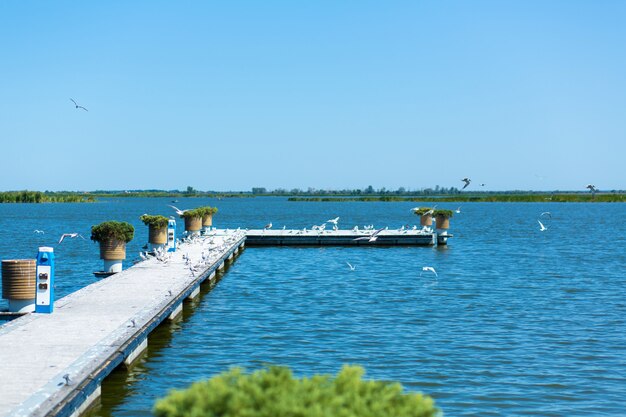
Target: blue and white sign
44 295
171 235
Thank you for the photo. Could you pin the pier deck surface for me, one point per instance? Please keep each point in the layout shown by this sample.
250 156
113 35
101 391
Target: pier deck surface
96 328
391 237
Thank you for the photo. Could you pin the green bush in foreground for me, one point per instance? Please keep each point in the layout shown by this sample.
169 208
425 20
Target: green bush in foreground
274 392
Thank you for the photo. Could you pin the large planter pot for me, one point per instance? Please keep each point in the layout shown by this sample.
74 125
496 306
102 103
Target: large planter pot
426 219
19 284
443 222
193 224
113 250
207 220
157 235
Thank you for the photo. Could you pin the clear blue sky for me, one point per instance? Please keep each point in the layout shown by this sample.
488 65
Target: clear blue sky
325 94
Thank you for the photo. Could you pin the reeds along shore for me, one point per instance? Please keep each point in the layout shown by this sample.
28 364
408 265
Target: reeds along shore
491 198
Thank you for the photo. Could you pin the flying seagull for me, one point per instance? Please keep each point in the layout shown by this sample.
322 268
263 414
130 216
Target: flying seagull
466 181
77 106
592 188
431 269
542 228
546 213
352 268
178 211
38 231
458 210
372 237
333 221
70 235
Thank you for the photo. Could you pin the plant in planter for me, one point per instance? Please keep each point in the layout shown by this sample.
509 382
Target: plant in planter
426 215
442 218
157 228
113 237
207 215
193 220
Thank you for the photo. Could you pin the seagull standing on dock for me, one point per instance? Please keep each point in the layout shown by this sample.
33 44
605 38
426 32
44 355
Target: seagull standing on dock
71 236
77 106
466 181
268 226
333 221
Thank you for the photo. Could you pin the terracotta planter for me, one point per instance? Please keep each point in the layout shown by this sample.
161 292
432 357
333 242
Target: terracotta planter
207 221
193 224
112 250
157 235
443 222
426 219
19 279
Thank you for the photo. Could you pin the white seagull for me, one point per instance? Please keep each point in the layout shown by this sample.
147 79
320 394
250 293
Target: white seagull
352 268
546 213
372 237
77 106
431 269
70 235
466 181
268 226
178 211
38 231
333 221
458 210
542 228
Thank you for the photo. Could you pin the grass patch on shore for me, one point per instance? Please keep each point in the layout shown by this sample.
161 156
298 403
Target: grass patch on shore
488 198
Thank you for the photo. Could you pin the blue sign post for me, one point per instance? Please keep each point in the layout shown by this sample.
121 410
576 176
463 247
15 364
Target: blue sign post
171 235
44 302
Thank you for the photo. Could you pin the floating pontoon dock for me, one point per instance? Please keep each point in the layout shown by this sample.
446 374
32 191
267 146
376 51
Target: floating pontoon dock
409 237
53 364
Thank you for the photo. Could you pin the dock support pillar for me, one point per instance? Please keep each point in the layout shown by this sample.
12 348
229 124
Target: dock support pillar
212 275
88 402
194 293
221 266
135 353
442 237
176 312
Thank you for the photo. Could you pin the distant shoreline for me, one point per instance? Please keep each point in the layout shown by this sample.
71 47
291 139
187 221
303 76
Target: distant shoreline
486 197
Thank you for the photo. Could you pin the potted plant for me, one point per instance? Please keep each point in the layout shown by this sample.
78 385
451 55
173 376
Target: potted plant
207 215
193 220
442 218
426 215
112 237
157 228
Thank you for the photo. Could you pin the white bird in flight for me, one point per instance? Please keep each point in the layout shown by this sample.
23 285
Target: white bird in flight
70 235
542 228
546 213
38 231
372 237
352 268
77 106
178 211
431 269
333 221
458 210
466 181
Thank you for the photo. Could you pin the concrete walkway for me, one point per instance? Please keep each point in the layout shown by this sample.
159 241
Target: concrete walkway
53 364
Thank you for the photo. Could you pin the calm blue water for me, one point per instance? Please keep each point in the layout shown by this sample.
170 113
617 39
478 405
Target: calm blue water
518 322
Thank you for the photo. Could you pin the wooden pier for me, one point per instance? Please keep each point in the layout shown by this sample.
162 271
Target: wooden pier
53 364
395 237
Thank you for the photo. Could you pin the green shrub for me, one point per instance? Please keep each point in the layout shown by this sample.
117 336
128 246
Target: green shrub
207 211
154 221
422 210
445 213
275 392
117 230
